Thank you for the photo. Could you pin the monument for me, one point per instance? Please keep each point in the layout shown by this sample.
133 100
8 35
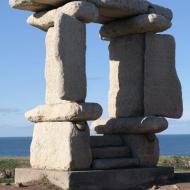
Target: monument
144 89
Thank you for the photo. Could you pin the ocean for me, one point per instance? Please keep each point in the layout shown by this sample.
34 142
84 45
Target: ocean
175 145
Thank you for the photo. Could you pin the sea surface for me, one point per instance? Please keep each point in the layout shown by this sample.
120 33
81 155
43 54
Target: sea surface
169 145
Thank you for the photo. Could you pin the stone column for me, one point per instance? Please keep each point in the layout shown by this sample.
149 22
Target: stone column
144 87
61 137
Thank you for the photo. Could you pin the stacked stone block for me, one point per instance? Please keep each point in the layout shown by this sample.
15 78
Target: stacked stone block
144 86
61 138
144 89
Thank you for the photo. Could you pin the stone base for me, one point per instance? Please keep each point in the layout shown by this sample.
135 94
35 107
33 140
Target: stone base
122 179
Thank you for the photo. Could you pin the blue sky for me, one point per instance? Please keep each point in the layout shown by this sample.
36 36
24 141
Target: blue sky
22 59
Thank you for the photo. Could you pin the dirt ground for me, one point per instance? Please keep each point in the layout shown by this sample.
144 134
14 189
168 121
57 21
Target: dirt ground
180 182
180 186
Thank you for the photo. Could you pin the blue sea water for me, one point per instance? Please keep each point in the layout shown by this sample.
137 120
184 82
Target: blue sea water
169 145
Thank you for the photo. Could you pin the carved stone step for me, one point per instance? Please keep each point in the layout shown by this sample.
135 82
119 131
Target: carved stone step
103 164
104 141
111 152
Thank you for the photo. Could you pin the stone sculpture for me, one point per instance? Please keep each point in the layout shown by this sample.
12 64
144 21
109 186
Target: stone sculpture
144 89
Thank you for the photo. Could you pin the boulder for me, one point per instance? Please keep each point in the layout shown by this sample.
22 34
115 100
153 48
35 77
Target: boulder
147 125
65 61
126 76
84 11
42 20
146 151
162 89
60 146
67 111
138 24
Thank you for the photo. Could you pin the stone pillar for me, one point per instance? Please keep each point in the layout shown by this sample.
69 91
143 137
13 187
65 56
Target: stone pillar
144 87
61 137
65 61
126 76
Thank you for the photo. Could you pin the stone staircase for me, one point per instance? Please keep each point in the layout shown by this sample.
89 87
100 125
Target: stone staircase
110 152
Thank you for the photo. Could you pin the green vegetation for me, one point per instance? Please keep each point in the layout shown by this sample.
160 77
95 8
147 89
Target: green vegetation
178 162
12 163
7 168
8 165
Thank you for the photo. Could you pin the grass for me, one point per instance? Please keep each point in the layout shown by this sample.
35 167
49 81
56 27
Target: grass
178 162
9 164
12 163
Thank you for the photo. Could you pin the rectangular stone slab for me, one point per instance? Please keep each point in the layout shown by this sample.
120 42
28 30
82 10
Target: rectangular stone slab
135 25
115 163
162 89
65 61
109 7
106 140
111 152
29 5
126 76
60 146
96 179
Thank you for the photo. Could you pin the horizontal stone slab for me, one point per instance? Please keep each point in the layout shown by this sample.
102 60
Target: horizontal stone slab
123 8
109 7
105 164
119 179
137 125
29 5
84 11
111 152
106 140
139 24
68 111
160 10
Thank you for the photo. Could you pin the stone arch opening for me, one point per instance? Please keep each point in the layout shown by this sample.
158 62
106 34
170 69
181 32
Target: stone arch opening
97 67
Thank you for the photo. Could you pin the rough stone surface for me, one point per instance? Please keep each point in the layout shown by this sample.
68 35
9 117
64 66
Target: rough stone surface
139 24
157 9
28 5
112 8
111 152
84 11
97 179
67 111
65 61
146 151
139 125
60 146
126 76
43 20
162 89
116 163
51 2
106 140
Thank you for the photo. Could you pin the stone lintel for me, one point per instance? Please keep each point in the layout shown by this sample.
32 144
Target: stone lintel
135 25
133 125
119 179
67 111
